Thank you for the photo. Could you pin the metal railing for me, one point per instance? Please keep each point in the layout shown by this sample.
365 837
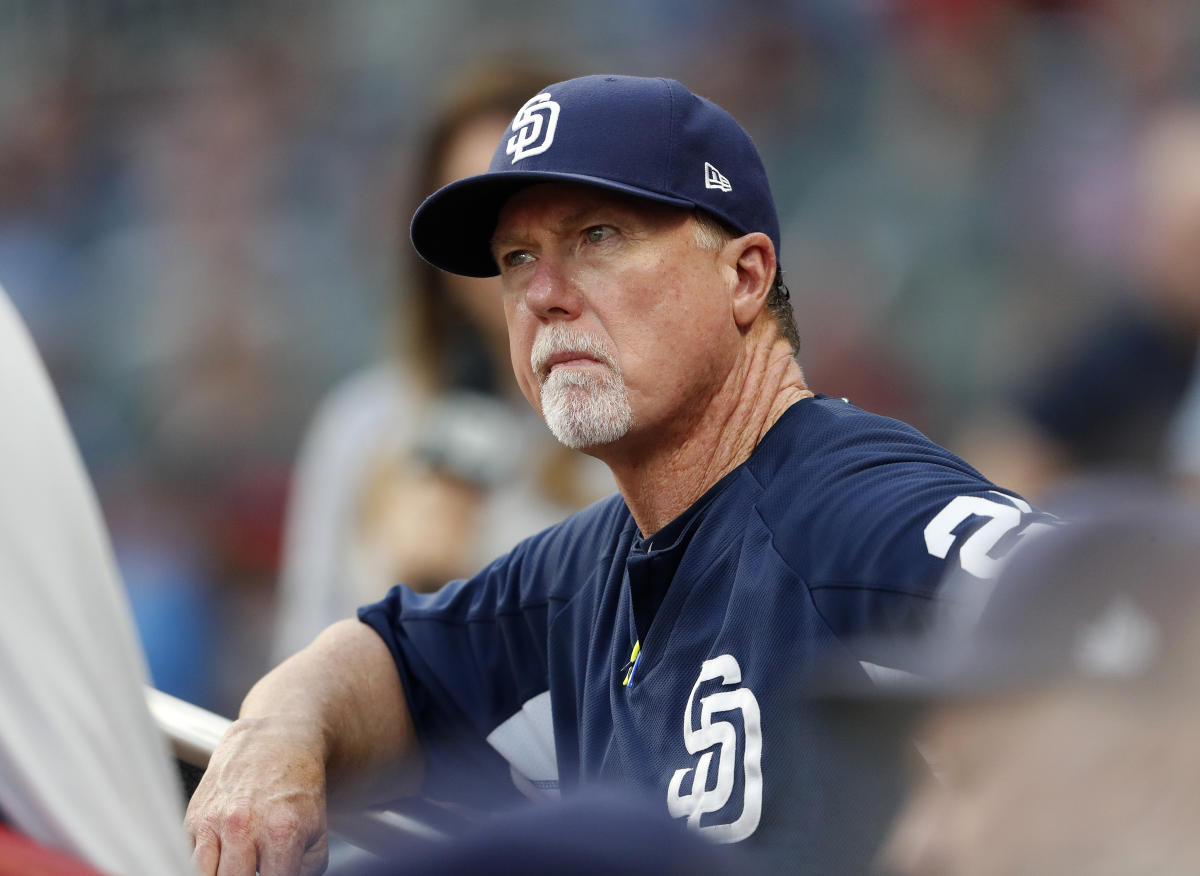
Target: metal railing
194 732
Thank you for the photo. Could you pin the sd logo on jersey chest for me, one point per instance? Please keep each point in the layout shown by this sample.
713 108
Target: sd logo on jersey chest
689 794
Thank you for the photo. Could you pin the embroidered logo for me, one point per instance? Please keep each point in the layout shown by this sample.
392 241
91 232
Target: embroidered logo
533 128
714 179
720 738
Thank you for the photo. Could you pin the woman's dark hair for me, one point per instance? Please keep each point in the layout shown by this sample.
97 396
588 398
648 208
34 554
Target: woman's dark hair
447 350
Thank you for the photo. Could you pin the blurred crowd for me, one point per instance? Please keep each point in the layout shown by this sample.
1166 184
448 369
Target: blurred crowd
991 216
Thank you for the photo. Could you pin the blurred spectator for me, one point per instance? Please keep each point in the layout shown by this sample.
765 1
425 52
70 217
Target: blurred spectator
1109 402
1185 436
594 833
83 768
1060 730
202 286
426 465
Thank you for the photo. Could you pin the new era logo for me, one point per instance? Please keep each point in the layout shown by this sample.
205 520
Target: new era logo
714 179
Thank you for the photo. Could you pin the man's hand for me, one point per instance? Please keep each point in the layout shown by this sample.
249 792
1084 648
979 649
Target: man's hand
333 713
261 804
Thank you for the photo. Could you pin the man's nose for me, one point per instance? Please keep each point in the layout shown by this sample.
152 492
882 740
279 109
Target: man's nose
551 295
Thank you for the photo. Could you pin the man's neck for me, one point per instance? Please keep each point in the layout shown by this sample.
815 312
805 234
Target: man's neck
661 476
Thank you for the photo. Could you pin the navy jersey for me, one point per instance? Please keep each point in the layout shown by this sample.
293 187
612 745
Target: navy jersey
677 663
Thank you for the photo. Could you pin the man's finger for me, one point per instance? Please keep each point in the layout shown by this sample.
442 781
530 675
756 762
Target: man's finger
279 860
316 858
239 857
205 855
281 846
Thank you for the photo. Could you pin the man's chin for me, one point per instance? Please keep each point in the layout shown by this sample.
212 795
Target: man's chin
583 415
584 439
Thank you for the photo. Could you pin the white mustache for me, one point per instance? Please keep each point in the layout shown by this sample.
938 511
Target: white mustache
558 338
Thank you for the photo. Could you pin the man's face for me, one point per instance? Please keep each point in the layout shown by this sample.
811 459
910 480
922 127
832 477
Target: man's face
1055 783
620 323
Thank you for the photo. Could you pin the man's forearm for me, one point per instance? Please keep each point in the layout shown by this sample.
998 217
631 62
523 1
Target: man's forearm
345 687
333 715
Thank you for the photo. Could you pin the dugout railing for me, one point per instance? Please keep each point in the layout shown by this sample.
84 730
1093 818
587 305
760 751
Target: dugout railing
193 733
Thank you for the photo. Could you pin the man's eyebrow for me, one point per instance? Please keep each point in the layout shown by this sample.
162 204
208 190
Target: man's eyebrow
573 219
501 240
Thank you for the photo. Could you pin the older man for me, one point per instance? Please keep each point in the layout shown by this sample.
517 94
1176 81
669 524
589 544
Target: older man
659 638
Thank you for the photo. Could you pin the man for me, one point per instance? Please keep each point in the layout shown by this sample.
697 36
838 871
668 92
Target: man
1062 729
659 638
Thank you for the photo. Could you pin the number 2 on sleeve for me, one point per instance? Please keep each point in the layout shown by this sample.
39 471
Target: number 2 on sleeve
975 552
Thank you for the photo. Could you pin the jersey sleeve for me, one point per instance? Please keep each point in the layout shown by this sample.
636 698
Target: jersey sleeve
471 657
899 522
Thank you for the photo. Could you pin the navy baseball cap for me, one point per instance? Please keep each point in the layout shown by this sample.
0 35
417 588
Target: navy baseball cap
651 138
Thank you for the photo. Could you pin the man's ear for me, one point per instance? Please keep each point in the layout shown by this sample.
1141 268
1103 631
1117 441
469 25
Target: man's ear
753 259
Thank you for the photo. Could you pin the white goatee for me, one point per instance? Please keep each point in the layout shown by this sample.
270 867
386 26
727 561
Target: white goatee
582 408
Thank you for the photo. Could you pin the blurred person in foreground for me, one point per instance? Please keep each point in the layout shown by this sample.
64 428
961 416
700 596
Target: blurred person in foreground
1142 354
596 833
1060 733
83 769
424 466
656 639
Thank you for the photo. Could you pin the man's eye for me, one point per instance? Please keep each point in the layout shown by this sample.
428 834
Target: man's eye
597 233
515 258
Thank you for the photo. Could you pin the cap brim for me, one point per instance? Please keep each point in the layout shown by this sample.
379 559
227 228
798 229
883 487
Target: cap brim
453 228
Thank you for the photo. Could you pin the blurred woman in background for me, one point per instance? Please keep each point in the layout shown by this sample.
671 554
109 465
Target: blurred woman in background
424 466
